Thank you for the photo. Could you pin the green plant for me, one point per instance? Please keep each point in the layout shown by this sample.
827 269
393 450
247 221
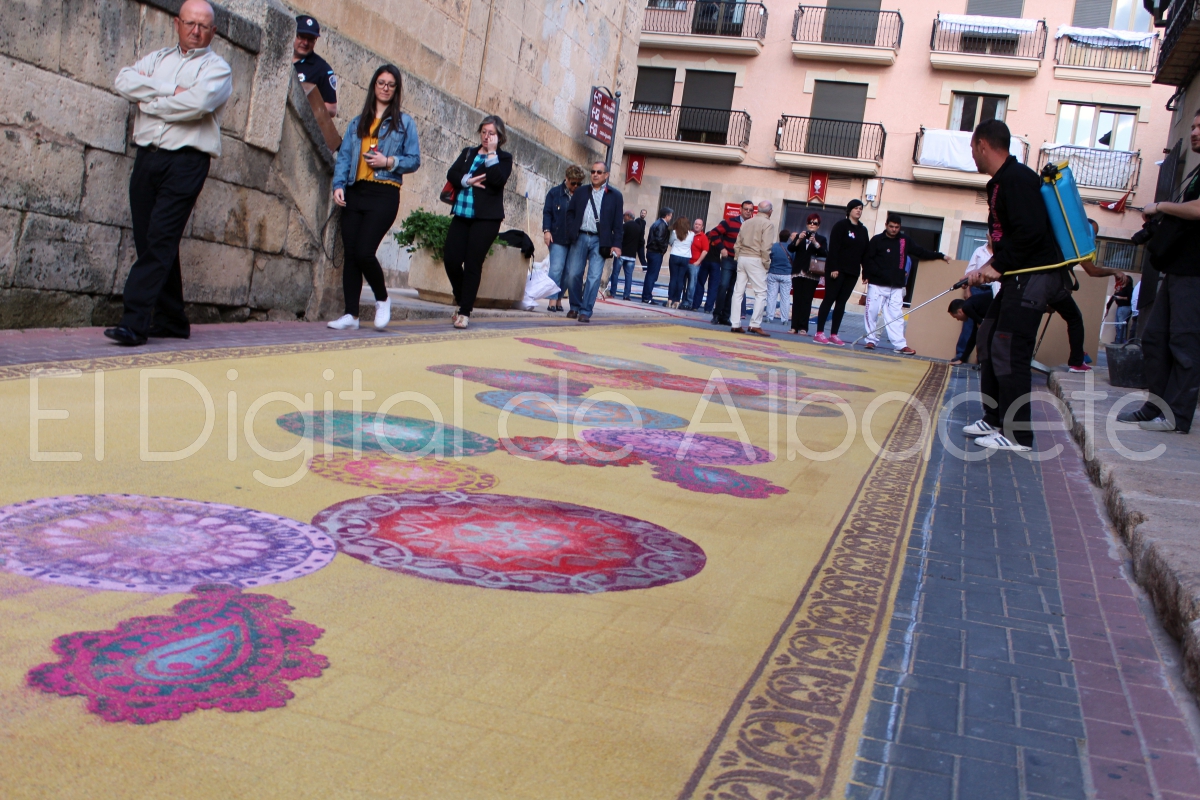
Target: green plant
425 229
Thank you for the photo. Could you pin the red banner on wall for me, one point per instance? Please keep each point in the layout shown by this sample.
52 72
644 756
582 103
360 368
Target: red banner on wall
818 181
635 167
734 210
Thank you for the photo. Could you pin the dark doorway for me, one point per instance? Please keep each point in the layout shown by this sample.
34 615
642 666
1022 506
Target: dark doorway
690 203
925 231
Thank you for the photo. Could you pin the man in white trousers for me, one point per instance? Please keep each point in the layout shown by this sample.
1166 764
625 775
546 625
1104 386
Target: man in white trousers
885 269
753 252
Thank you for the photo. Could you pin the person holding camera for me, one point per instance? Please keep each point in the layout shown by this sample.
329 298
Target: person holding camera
804 247
594 231
478 177
1171 341
380 147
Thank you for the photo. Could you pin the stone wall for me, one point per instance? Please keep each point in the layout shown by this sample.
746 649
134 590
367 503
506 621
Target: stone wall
263 240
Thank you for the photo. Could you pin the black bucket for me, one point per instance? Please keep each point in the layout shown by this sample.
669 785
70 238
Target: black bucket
1125 367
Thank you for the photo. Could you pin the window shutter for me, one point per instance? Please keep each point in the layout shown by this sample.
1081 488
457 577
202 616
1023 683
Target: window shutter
836 100
995 8
1092 13
655 86
704 89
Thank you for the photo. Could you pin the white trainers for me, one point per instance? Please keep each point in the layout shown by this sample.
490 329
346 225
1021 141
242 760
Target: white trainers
383 314
979 428
461 321
346 322
997 441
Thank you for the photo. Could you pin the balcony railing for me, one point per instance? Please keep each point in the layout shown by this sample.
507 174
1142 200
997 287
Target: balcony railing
921 141
1181 44
689 124
1069 53
987 40
706 18
854 26
863 141
1097 168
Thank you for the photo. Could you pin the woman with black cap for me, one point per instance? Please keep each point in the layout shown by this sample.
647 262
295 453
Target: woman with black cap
847 244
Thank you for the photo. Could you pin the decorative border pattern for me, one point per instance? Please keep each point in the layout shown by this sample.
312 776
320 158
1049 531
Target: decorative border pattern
786 731
167 357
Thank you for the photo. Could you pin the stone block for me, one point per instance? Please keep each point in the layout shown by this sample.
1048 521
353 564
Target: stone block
281 283
37 174
241 164
201 313
126 255
98 38
32 308
272 78
300 172
237 108
239 314
62 107
10 229
215 273
300 241
56 253
107 312
31 31
241 217
502 284
106 188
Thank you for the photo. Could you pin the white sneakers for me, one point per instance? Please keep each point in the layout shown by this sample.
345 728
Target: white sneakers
979 428
461 321
383 314
998 441
346 322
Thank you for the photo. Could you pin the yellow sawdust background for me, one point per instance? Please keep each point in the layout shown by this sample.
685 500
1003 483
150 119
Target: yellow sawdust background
434 690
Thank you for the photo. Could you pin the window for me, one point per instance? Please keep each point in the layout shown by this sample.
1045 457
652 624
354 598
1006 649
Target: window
1095 126
707 100
972 236
689 203
1130 15
837 114
1123 15
655 89
968 110
851 22
996 8
719 18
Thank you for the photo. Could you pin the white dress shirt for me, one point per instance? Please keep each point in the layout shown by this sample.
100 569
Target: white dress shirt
172 121
981 256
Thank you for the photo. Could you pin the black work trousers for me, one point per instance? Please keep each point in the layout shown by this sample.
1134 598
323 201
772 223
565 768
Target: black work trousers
1068 309
838 292
1007 339
467 245
162 192
1171 348
724 304
370 210
803 290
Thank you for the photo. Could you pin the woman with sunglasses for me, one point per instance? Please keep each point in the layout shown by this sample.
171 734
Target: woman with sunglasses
478 177
380 147
804 247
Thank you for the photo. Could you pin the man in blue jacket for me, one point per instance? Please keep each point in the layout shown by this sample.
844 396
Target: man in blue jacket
554 228
594 230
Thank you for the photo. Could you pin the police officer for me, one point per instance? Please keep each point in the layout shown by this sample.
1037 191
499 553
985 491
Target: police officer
310 67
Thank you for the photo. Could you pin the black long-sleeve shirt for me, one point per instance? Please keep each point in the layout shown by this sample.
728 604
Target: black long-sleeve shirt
804 250
847 245
1017 220
885 262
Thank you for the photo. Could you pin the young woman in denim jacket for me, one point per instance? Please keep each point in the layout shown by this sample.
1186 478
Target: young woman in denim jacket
379 149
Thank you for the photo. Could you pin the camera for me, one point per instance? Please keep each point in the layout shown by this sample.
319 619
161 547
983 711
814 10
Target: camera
1148 228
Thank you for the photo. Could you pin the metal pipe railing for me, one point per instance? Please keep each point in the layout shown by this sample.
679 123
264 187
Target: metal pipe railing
1069 53
833 25
831 137
1096 167
920 141
956 37
706 18
689 124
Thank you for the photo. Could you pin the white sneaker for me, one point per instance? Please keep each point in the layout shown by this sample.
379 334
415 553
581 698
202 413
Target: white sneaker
345 322
979 428
383 314
998 441
461 321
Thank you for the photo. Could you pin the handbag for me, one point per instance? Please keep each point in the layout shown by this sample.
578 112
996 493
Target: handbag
816 267
448 194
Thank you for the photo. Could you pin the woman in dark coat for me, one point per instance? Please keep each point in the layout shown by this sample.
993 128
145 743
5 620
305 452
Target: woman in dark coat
805 246
478 177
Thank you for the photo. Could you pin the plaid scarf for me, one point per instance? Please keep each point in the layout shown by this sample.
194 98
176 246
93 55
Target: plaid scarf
464 200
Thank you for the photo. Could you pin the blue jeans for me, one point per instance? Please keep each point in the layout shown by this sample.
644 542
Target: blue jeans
679 271
693 275
627 263
1123 314
558 265
653 267
709 273
585 253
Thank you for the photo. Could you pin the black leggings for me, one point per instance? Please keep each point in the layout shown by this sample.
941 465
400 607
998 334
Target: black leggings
803 290
837 292
369 213
467 245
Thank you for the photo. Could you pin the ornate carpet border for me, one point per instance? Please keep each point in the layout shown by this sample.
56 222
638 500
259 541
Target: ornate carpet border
168 357
785 732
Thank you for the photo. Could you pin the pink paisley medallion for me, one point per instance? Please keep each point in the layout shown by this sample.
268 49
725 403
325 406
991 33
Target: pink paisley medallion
715 480
568 451
515 380
378 471
661 445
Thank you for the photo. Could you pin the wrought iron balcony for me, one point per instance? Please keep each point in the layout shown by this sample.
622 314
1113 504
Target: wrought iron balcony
935 167
1180 56
1100 174
706 25
983 47
1069 53
853 26
833 144
710 134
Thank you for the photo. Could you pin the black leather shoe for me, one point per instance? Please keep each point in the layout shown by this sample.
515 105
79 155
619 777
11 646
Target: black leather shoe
572 314
125 336
162 333
585 318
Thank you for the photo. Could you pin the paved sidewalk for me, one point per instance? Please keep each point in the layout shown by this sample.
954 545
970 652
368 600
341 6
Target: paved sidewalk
1153 499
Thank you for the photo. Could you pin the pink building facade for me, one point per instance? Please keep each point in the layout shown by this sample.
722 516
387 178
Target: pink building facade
759 100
